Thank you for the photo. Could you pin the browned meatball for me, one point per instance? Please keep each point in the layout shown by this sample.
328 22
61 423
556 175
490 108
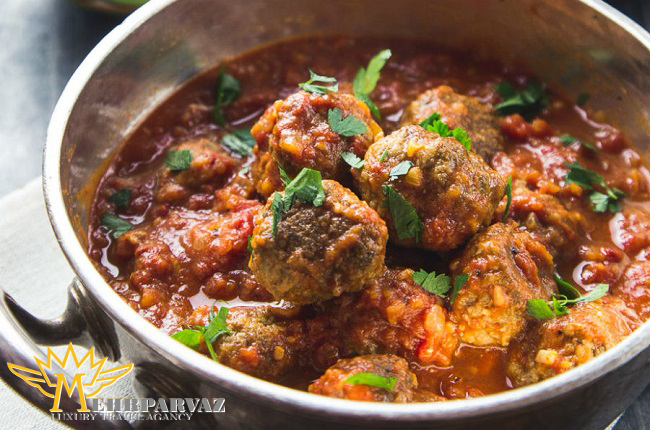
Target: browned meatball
469 113
392 315
453 191
295 133
334 382
506 268
319 252
209 170
634 287
545 218
560 344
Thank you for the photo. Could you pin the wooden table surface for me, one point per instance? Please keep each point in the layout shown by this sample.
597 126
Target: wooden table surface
43 41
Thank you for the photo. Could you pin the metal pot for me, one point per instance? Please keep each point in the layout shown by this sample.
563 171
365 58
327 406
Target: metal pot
575 46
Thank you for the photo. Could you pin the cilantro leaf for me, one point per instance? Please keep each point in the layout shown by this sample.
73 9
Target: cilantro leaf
459 282
217 325
540 309
400 170
352 160
583 177
529 102
434 124
178 160
405 218
306 187
121 198
210 332
348 126
191 338
433 283
277 206
227 90
567 139
319 89
373 380
115 225
383 156
240 142
601 202
365 80
283 174
508 193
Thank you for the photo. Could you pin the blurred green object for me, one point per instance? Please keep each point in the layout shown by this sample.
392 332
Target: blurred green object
112 6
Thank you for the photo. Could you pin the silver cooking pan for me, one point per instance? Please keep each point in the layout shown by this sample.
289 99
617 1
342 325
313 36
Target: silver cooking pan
575 46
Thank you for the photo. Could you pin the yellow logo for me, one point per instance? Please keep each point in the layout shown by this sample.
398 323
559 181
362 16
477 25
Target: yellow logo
96 380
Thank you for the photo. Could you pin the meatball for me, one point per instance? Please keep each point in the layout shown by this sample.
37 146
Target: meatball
545 218
631 230
506 268
334 382
453 191
295 133
319 252
209 170
264 341
562 343
392 315
634 287
469 113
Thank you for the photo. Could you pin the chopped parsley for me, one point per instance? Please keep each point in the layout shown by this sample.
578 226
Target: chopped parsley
121 198
312 88
432 282
459 282
240 142
508 193
541 309
227 90
383 156
250 244
435 125
405 218
400 170
567 140
352 160
529 102
306 187
210 332
366 79
585 178
373 380
115 225
348 126
178 160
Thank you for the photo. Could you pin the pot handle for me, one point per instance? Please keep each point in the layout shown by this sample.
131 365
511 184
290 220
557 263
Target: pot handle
82 323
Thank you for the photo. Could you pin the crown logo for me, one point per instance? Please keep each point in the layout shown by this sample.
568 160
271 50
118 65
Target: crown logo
97 379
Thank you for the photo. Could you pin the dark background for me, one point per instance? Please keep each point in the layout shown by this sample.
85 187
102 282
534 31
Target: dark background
41 44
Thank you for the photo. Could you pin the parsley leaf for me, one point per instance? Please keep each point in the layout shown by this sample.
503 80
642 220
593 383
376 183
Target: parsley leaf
306 187
540 309
567 139
529 102
178 160
227 90
115 225
348 126
319 89
215 328
283 174
277 206
433 124
459 282
566 289
508 193
405 218
352 160
365 80
240 142
383 156
400 170
373 380
601 202
583 177
188 337
433 283
121 198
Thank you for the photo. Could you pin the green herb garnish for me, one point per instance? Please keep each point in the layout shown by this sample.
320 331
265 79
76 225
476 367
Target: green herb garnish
585 178
277 206
348 126
508 193
178 160
459 282
373 380
383 156
400 170
250 244
227 90
352 160
310 87
405 218
240 142
306 187
529 102
216 327
435 125
115 225
567 140
432 282
540 309
365 80
121 198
